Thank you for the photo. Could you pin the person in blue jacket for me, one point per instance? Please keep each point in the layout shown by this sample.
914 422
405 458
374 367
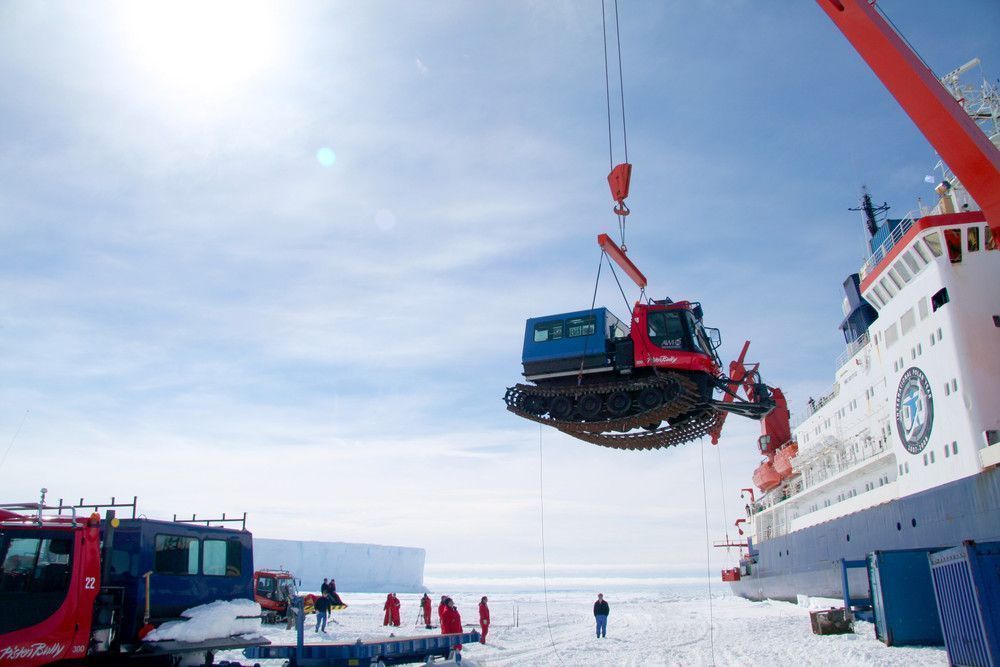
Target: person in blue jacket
601 611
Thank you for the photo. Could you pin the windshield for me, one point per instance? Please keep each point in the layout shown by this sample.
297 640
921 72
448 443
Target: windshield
35 572
665 329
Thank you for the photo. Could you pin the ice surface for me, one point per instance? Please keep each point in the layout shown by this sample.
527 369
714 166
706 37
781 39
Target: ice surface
211 621
356 567
648 628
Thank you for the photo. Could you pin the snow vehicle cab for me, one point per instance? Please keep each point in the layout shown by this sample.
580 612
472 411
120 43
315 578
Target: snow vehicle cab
273 590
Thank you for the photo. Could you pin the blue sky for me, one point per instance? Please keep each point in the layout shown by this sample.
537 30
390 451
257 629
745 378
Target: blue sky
195 309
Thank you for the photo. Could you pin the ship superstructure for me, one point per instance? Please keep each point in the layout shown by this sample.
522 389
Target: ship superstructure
904 451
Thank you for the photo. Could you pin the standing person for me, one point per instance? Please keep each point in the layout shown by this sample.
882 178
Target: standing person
441 607
292 608
388 609
394 610
425 604
484 619
451 622
322 606
601 611
324 590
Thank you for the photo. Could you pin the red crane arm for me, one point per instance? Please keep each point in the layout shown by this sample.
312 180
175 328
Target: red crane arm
953 134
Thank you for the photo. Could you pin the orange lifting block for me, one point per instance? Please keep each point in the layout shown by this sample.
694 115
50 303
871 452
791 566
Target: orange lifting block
618 180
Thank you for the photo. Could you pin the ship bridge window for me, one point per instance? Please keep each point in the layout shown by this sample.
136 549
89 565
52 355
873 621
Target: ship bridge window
881 293
888 287
933 243
901 270
989 241
922 307
666 329
953 240
911 262
972 239
545 331
895 279
922 253
581 326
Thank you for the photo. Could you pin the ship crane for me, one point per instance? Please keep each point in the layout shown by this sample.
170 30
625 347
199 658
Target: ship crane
939 116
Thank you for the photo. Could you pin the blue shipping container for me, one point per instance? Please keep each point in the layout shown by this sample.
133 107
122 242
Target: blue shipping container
903 598
967 590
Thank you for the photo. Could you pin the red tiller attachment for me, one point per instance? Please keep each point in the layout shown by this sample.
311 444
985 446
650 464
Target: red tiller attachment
617 254
737 372
618 180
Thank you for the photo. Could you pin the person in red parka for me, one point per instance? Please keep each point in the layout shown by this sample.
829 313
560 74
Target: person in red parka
484 619
441 607
425 604
451 622
388 609
395 610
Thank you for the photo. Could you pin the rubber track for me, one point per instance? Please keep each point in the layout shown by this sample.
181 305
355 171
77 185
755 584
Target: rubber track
603 432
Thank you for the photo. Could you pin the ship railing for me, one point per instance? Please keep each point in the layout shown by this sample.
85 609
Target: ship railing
879 254
852 349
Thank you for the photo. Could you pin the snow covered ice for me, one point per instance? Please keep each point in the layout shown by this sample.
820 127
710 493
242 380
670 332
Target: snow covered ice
212 620
665 627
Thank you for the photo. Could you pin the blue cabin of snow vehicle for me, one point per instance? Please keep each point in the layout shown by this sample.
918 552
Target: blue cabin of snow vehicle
189 565
570 342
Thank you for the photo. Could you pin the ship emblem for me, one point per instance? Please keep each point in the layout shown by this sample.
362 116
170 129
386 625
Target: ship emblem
914 410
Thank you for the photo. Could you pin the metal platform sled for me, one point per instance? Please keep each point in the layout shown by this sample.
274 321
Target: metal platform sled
394 651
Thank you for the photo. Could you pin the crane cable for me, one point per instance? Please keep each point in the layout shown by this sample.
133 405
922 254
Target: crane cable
708 561
541 512
607 98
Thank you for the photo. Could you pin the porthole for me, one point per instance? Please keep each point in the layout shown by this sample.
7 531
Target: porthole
848 537
899 526
913 522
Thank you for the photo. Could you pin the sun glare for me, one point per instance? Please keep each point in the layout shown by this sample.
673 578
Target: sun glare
207 48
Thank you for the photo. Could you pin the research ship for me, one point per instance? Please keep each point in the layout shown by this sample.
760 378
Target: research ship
904 450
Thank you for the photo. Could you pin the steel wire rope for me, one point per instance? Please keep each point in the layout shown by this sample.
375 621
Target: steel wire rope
607 100
16 433
593 302
622 290
708 564
541 512
607 86
722 486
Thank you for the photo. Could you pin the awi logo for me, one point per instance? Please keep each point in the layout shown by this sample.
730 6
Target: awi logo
914 410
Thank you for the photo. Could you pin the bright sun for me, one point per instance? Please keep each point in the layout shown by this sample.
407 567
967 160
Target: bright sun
205 48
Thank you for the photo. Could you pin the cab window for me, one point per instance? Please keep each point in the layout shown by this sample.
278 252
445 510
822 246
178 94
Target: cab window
35 574
222 558
545 331
665 329
580 326
36 565
176 554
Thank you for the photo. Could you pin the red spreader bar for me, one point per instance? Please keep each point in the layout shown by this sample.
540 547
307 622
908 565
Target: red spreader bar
618 255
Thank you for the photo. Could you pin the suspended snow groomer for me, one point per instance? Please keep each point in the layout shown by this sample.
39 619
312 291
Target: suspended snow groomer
646 383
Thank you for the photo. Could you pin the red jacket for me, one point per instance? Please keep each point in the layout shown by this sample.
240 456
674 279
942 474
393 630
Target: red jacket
451 621
484 613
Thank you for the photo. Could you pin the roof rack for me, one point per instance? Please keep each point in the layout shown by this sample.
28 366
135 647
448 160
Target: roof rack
208 522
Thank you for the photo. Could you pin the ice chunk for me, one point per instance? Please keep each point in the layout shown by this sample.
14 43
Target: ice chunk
211 621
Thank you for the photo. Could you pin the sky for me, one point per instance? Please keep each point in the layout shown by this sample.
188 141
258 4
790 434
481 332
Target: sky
277 257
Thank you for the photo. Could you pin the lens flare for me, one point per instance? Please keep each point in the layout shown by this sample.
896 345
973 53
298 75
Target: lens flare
326 157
